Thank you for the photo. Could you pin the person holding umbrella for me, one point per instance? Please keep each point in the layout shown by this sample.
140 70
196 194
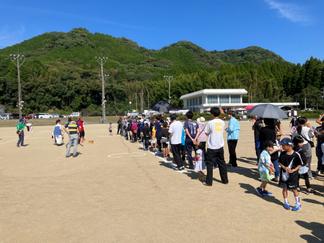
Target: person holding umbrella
270 114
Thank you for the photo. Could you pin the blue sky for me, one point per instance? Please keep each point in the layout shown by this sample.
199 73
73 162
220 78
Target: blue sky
293 29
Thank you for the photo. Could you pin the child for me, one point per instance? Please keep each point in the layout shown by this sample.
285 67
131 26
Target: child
198 162
266 168
165 140
299 147
146 135
290 162
110 128
153 139
57 133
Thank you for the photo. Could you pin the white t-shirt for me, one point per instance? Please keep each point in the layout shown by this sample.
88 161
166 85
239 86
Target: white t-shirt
215 131
175 130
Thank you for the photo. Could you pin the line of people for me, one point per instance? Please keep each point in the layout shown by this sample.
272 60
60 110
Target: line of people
194 144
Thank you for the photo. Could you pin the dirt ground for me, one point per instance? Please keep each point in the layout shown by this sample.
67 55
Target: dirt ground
115 192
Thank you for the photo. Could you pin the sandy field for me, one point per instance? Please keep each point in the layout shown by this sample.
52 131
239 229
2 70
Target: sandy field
115 192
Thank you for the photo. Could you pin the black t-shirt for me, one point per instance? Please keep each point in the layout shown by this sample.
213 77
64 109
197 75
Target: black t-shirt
146 131
268 134
285 159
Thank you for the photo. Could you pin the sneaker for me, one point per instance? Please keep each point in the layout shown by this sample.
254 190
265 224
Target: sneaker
205 184
296 208
259 191
286 206
266 193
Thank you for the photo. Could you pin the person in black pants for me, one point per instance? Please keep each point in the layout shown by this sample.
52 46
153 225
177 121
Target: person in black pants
233 133
215 152
175 131
232 152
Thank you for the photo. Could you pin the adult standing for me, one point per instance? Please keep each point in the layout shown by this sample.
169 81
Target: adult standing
20 127
175 131
268 133
215 152
257 125
192 131
233 133
72 131
158 128
119 125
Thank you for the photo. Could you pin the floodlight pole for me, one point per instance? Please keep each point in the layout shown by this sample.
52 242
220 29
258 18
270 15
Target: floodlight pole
169 79
102 61
19 60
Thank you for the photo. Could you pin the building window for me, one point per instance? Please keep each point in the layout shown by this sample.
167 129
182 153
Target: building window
224 99
212 99
236 99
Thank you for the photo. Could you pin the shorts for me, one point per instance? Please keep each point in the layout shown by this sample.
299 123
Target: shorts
265 176
82 134
291 183
165 145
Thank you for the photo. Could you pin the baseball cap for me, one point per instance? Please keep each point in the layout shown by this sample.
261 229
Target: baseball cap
286 141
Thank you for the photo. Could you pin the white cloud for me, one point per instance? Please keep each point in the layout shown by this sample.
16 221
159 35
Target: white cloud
290 11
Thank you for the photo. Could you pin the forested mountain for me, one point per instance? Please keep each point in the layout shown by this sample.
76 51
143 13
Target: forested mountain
61 74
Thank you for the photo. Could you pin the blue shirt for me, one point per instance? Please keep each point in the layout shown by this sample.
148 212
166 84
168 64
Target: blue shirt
233 130
192 128
57 131
264 161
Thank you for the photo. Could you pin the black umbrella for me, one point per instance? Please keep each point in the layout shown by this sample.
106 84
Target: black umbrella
162 107
268 111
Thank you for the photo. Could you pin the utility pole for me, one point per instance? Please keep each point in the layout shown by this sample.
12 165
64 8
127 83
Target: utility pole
142 100
148 98
102 61
169 79
18 60
136 101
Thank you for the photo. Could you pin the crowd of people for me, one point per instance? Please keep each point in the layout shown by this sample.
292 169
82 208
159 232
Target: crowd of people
194 144
198 145
287 160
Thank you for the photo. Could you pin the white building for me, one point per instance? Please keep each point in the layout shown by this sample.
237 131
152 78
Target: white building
203 100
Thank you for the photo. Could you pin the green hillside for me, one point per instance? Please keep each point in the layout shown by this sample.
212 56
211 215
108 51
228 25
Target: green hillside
61 73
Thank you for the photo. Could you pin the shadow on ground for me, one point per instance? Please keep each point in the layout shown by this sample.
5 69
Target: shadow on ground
251 161
309 200
317 231
251 190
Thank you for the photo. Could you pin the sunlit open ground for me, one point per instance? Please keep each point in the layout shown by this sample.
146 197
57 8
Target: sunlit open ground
114 192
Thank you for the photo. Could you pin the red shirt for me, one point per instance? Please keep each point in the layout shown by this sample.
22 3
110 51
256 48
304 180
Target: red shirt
80 125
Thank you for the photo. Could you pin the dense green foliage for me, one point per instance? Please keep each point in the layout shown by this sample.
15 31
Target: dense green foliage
61 74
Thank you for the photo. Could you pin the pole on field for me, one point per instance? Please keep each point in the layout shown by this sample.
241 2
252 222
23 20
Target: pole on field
102 61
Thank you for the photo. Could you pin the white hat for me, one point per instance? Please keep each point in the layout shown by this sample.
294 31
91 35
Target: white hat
201 119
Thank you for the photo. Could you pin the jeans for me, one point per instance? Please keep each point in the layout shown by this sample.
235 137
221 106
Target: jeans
276 167
73 142
21 137
232 153
257 144
189 147
216 157
176 151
